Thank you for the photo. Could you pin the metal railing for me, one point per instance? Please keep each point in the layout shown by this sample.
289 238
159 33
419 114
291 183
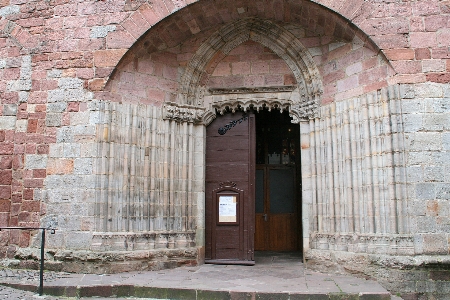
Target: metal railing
41 269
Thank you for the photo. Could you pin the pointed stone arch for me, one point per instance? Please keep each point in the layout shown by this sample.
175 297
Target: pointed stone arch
301 100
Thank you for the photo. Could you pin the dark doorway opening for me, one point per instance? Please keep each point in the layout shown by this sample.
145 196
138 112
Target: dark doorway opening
277 183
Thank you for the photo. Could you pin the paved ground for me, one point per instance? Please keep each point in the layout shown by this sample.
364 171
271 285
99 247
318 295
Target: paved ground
273 277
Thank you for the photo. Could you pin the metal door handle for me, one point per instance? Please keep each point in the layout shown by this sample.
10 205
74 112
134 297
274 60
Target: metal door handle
265 217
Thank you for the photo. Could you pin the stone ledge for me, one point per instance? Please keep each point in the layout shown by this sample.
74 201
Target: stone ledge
104 262
194 294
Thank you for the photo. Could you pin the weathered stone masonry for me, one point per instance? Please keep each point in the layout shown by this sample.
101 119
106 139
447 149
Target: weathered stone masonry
103 108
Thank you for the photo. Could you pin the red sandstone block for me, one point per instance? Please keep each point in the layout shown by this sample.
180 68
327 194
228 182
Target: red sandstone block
6 148
31 206
439 77
375 86
39 173
242 68
14 221
407 67
155 95
399 9
333 77
441 52
140 21
389 41
97 84
25 174
120 39
311 42
423 39
32 125
278 66
5 192
38 97
30 148
422 53
5 177
16 187
349 94
85 73
166 85
339 52
373 75
252 80
6 162
222 69
133 29
19 149
24 216
33 183
5 205
2 135
347 83
351 7
407 78
28 194
268 56
436 22
170 73
103 72
15 207
11 74
426 8
108 58
75 22
65 120
4 219
18 161
289 79
31 22
381 26
24 240
260 67
399 54
330 90
73 106
10 98
273 79
443 37
433 65
350 58
65 10
149 14
42 149
167 58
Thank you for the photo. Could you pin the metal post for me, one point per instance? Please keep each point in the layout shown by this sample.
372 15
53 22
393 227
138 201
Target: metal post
41 270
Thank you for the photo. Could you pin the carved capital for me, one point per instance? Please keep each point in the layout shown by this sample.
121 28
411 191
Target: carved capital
183 113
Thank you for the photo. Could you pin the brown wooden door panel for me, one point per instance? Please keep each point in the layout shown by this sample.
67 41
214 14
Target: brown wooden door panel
222 143
259 232
230 158
221 156
283 232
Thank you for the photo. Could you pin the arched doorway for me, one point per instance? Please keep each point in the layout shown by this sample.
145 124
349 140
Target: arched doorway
252 187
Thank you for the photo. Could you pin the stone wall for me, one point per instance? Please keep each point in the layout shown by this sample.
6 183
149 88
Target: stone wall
83 83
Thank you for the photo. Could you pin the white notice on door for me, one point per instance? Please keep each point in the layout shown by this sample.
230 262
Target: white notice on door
227 209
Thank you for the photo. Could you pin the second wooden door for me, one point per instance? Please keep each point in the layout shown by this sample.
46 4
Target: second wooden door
277 184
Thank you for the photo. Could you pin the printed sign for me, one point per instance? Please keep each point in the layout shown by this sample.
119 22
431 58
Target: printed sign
227 209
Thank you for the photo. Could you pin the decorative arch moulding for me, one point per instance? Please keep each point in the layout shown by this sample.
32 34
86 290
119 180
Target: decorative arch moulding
197 104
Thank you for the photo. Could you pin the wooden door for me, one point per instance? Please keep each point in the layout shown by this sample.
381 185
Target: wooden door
277 225
230 175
